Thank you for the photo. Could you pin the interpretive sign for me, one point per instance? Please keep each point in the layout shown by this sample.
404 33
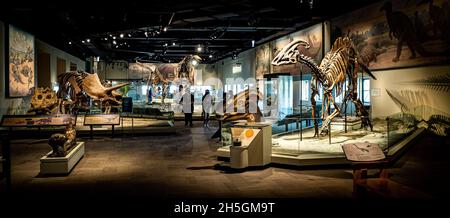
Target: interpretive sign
37 120
363 152
102 119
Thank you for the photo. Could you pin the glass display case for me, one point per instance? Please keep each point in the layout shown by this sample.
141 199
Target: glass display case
287 108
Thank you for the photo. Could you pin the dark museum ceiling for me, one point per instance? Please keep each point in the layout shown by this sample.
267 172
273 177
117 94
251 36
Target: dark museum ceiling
221 27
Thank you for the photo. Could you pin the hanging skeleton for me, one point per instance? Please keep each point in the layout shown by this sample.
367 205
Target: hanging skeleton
80 86
43 101
341 63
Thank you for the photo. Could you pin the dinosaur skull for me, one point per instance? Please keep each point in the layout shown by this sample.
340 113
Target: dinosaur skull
44 100
289 53
94 88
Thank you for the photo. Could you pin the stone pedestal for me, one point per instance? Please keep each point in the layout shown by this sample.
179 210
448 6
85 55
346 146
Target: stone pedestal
62 165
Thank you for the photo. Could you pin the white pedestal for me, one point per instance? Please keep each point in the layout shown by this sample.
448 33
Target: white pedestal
238 157
62 165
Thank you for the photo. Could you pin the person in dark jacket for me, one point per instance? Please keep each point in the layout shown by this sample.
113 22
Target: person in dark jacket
206 107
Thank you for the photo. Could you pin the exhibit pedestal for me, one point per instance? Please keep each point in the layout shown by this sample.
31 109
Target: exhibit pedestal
62 165
238 157
256 148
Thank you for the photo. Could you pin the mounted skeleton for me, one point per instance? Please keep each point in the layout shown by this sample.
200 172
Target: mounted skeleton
341 63
164 74
78 86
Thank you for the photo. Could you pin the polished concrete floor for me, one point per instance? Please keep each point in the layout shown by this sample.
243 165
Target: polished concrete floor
184 166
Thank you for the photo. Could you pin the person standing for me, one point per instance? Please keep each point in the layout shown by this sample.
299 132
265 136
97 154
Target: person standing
206 107
188 107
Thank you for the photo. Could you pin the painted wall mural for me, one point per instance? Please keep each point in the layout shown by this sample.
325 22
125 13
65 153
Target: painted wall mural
313 35
414 98
263 58
398 34
21 65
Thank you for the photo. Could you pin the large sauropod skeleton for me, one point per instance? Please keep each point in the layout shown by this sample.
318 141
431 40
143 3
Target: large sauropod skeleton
341 63
164 74
77 85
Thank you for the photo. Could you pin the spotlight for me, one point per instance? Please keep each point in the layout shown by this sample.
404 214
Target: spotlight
129 35
114 42
165 44
117 46
199 48
70 43
110 35
173 44
210 56
114 37
121 35
165 29
82 41
194 62
146 34
88 40
253 43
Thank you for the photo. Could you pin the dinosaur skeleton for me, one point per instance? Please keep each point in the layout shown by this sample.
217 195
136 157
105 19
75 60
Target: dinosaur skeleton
341 63
164 74
78 84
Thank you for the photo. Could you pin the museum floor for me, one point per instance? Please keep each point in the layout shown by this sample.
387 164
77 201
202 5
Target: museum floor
181 166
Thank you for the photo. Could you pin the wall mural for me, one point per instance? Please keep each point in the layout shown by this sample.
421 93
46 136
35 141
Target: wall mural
312 35
21 63
263 59
398 33
417 102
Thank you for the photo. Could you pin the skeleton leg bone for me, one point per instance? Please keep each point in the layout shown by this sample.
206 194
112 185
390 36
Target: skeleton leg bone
337 111
314 92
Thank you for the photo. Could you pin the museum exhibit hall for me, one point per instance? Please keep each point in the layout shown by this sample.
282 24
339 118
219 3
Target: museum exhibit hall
226 107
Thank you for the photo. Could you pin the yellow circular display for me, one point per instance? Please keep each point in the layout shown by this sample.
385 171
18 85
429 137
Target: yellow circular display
249 133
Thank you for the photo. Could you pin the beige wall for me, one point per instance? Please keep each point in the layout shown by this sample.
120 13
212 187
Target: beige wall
399 82
54 55
246 58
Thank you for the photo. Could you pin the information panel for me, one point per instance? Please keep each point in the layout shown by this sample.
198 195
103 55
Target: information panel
363 151
102 119
37 120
